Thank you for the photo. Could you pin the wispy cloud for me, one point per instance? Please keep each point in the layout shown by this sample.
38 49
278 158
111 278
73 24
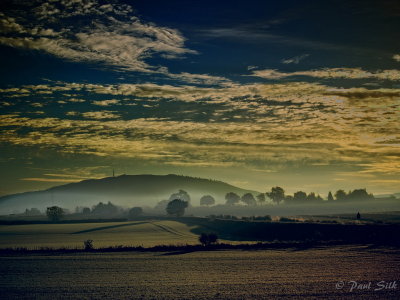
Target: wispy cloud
106 102
345 73
295 60
275 126
109 35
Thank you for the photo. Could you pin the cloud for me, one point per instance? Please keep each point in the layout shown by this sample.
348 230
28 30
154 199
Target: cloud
332 73
295 60
249 68
106 35
106 102
273 126
96 115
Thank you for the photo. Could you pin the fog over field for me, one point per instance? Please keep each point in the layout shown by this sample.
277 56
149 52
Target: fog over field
148 191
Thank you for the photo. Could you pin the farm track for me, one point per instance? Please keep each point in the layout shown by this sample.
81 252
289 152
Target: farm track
108 227
169 229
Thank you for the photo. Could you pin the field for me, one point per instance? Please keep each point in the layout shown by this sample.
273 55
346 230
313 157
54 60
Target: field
272 274
145 233
196 273
149 232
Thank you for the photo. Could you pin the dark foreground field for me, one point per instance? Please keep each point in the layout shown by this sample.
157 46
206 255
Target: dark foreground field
263 274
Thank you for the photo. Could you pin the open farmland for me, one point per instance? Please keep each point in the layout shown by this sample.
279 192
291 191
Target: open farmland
289 274
148 232
145 233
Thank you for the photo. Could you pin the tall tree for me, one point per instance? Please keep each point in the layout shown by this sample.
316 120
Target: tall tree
299 196
261 198
277 194
207 200
54 213
105 209
232 198
248 198
359 195
340 195
182 195
330 197
311 197
177 207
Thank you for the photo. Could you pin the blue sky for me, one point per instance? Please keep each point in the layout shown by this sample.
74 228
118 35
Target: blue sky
301 94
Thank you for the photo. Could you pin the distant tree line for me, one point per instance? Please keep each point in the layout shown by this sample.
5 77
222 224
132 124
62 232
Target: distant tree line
277 196
179 201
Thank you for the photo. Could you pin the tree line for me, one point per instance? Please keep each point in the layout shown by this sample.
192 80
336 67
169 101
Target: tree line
179 201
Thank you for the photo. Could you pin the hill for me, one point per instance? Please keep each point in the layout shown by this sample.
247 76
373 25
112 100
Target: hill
126 190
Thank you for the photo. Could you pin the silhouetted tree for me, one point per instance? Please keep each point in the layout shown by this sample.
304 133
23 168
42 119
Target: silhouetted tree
340 195
105 209
86 210
135 212
277 194
299 196
176 207
359 195
248 198
182 195
54 213
330 197
261 198
207 239
232 198
311 197
207 200
358 216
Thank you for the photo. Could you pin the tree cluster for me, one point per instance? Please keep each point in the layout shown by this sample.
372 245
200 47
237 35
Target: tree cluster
177 207
55 213
355 195
207 239
105 209
232 198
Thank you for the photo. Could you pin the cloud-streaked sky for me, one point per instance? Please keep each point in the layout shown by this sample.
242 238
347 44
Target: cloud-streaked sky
301 94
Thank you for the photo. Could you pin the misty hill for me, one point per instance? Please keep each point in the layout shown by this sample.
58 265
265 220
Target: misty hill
126 190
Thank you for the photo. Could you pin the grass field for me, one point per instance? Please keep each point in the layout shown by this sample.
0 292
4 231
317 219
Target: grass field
272 274
145 233
148 232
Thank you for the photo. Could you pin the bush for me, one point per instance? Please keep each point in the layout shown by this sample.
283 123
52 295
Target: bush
88 244
207 239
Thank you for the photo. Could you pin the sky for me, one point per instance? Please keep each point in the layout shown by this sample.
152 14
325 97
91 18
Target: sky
300 94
